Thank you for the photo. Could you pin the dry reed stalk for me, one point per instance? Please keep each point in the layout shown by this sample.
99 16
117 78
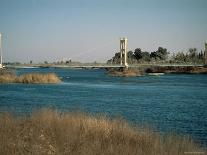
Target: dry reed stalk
38 78
7 77
51 132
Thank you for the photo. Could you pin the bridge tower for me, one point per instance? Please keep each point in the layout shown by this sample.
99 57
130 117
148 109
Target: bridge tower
1 63
123 52
205 54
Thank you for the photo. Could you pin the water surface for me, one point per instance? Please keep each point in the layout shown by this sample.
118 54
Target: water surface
167 103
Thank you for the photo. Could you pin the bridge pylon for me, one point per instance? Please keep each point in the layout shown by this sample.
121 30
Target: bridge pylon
123 52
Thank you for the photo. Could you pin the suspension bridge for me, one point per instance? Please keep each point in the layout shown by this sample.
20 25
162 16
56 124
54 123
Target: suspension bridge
122 64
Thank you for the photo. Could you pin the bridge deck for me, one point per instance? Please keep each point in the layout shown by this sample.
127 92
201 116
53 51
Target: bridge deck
105 66
131 66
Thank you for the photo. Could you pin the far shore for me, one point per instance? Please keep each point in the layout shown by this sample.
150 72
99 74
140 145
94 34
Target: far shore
117 70
157 70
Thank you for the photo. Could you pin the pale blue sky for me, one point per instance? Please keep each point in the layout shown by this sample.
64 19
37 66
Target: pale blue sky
89 30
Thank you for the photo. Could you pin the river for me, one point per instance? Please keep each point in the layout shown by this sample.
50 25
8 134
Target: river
166 103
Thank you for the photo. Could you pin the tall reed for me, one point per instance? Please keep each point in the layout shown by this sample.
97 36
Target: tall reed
10 77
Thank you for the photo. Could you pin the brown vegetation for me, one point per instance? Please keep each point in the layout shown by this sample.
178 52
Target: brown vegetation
7 78
10 77
177 69
139 71
38 78
125 72
51 132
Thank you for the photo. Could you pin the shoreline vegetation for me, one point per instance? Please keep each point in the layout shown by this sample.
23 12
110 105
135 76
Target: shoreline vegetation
51 132
130 72
9 76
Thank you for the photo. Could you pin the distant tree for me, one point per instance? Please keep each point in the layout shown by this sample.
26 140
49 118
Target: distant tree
193 54
117 55
200 55
116 58
181 57
141 56
160 54
145 56
109 61
138 53
131 57
130 54
68 61
153 55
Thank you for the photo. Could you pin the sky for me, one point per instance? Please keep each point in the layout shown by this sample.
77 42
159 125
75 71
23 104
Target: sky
89 30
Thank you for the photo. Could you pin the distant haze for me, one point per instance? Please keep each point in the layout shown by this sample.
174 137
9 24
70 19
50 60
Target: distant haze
89 30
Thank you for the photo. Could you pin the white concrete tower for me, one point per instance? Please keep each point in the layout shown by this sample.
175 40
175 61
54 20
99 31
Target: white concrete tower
1 63
123 51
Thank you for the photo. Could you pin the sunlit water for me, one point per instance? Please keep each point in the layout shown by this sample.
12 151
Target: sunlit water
167 103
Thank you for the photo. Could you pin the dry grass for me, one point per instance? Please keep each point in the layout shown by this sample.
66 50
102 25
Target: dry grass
7 76
129 72
37 78
50 132
10 77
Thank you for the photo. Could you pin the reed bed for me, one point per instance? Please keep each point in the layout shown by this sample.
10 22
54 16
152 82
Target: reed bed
7 76
37 78
51 132
10 77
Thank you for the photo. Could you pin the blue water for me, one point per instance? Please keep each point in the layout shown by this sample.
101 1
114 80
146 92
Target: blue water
168 103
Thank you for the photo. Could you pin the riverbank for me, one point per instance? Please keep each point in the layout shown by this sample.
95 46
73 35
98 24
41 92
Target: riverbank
52 132
177 69
156 70
125 72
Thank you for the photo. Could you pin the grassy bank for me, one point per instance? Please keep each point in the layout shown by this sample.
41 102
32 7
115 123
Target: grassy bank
10 77
50 132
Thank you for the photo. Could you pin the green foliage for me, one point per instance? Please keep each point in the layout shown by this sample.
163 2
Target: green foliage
146 56
138 53
192 56
131 57
139 56
160 54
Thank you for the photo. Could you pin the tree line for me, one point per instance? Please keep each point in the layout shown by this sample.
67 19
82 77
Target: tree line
161 55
